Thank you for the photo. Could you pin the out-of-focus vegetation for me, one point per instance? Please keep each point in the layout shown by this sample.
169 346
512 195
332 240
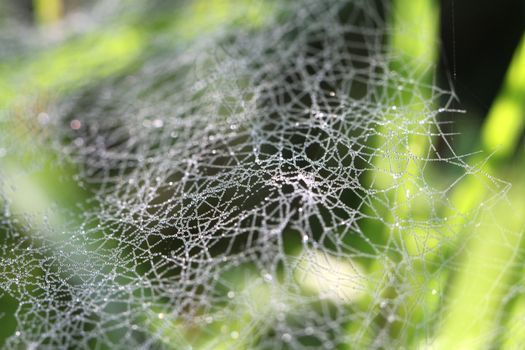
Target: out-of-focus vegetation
485 270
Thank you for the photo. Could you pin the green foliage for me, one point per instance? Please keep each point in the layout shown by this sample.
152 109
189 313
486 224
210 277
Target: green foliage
468 278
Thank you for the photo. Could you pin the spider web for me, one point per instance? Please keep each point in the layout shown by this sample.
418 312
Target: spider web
263 188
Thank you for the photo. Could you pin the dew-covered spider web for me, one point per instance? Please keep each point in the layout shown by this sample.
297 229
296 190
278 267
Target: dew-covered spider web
264 186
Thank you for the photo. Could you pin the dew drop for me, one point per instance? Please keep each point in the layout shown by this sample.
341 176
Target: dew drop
158 123
79 142
43 118
75 124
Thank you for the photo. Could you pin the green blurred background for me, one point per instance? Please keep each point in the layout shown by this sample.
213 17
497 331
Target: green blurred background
479 48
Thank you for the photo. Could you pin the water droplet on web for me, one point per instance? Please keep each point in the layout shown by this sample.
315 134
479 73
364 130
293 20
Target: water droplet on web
328 345
157 123
286 337
75 124
234 335
231 294
79 142
43 118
